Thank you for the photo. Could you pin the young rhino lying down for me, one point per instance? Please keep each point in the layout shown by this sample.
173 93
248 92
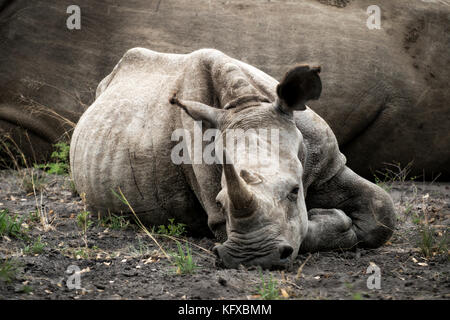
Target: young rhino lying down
306 200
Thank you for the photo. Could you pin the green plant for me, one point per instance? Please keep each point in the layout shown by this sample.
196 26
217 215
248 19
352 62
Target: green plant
61 160
115 222
84 220
34 216
183 261
393 172
357 296
26 289
172 229
382 184
81 253
32 180
430 244
268 290
8 270
141 249
124 200
37 247
10 226
72 187
416 219
354 295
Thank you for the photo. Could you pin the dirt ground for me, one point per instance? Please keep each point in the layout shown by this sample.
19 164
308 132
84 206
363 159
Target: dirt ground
126 263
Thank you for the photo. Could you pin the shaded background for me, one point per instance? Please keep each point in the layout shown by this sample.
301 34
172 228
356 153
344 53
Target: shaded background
385 92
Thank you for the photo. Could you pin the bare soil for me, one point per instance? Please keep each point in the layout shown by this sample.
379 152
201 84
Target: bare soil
127 264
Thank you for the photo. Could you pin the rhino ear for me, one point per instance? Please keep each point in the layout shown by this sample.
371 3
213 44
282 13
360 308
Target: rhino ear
299 85
198 111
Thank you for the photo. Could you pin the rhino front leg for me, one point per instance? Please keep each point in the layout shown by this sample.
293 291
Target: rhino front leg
328 229
369 208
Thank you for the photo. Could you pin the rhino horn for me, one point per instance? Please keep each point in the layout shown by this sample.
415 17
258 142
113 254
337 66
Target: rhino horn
240 195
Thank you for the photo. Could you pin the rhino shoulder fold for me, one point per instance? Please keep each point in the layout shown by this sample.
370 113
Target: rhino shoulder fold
323 159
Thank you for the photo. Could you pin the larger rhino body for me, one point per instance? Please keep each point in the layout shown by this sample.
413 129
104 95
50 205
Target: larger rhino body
386 97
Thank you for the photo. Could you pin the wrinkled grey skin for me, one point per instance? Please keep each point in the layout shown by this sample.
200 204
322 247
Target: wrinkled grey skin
386 96
264 215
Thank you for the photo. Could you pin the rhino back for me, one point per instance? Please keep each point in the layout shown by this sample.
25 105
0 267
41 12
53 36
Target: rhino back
124 141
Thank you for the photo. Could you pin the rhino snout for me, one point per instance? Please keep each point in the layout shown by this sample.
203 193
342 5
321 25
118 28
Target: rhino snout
277 258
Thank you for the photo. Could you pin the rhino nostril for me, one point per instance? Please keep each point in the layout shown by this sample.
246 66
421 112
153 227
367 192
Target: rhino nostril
285 251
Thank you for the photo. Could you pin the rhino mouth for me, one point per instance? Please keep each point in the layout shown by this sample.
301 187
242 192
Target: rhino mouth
257 252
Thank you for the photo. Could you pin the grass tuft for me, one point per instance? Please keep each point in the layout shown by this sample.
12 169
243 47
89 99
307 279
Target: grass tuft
268 290
393 172
8 270
60 157
37 247
115 222
10 226
172 229
183 261
32 180
430 244
84 220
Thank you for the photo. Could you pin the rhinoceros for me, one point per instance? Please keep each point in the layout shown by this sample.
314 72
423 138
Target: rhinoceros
307 200
387 89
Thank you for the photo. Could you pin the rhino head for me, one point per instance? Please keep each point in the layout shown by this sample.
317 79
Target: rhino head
263 205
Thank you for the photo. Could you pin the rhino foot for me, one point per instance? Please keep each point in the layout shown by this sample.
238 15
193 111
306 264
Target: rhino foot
328 229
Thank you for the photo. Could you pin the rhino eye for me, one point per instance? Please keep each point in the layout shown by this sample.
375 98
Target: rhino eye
293 194
219 204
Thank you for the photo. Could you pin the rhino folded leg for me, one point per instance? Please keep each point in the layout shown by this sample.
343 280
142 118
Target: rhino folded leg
369 207
328 229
